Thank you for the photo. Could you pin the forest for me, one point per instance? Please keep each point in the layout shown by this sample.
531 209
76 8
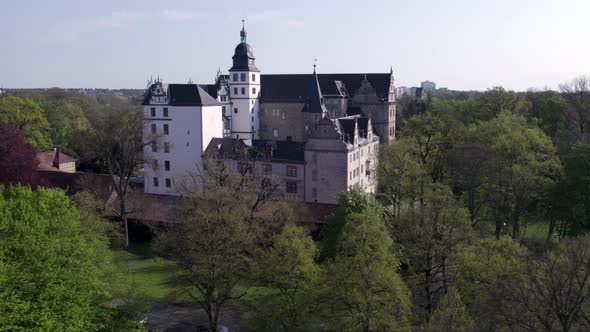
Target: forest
479 224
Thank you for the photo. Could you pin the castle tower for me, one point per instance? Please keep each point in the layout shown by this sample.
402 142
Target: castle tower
244 86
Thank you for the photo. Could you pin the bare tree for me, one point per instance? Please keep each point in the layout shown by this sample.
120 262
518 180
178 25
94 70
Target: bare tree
119 144
552 292
577 96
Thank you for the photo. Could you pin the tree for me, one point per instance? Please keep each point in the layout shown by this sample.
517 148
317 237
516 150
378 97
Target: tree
430 236
577 96
570 200
525 164
470 168
363 288
51 265
484 266
450 314
65 120
401 177
212 243
119 143
497 100
18 161
553 291
289 268
26 116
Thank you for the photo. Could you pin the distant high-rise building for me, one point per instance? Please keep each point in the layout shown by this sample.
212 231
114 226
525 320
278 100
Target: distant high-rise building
428 86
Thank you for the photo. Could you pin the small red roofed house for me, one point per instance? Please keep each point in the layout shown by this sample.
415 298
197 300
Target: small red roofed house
56 161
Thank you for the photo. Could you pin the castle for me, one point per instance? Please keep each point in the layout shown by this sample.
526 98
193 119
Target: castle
320 133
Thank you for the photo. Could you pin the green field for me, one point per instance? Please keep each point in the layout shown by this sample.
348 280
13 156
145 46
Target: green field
141 276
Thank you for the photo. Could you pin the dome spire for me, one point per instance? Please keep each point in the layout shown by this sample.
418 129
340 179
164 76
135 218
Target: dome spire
243 33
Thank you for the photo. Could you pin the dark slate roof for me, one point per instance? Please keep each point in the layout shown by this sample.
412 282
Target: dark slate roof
226 147
242 54
347 128
315 100
211 89
274 151
294 87
354 110
189 95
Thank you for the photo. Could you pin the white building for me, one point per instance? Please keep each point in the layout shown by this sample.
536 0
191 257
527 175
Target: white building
428 86
325 153
184 118
244 92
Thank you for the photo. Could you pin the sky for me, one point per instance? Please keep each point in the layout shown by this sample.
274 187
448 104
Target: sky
459 44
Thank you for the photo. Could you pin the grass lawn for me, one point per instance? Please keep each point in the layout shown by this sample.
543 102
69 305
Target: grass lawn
536 231
141 276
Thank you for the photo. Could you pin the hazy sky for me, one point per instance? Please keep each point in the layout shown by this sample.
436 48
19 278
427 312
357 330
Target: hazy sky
459 44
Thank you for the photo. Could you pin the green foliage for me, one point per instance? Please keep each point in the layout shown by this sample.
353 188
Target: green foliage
363 288
497 100
289 267
430 235
353 201
525 164
52 264
66 120
570 199
450 314
27 116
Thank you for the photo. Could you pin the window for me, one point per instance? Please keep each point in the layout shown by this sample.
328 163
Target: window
165 129
155 164
235 77
154 147
155 182
166 147
253 90
153 110
292 187
362 152
267 168
166 165
314 193
235 91
223 109
236 110
253 77
243 91
275 132
226 125
168 183
243 77
153 128
252 128
291 171
252 119
165 112
350 175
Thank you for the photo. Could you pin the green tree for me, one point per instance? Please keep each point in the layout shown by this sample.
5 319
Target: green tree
497 100
484 265
65 120
525 165
28 117
363 288
451 315
289 268
51 264
212 243
570 199
430 236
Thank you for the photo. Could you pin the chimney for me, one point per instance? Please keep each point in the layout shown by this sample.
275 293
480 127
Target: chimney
56 158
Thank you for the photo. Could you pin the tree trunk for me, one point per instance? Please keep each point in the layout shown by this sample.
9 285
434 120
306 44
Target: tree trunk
123 210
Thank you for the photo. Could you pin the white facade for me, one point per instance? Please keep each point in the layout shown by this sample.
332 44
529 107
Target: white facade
244 92
182 134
